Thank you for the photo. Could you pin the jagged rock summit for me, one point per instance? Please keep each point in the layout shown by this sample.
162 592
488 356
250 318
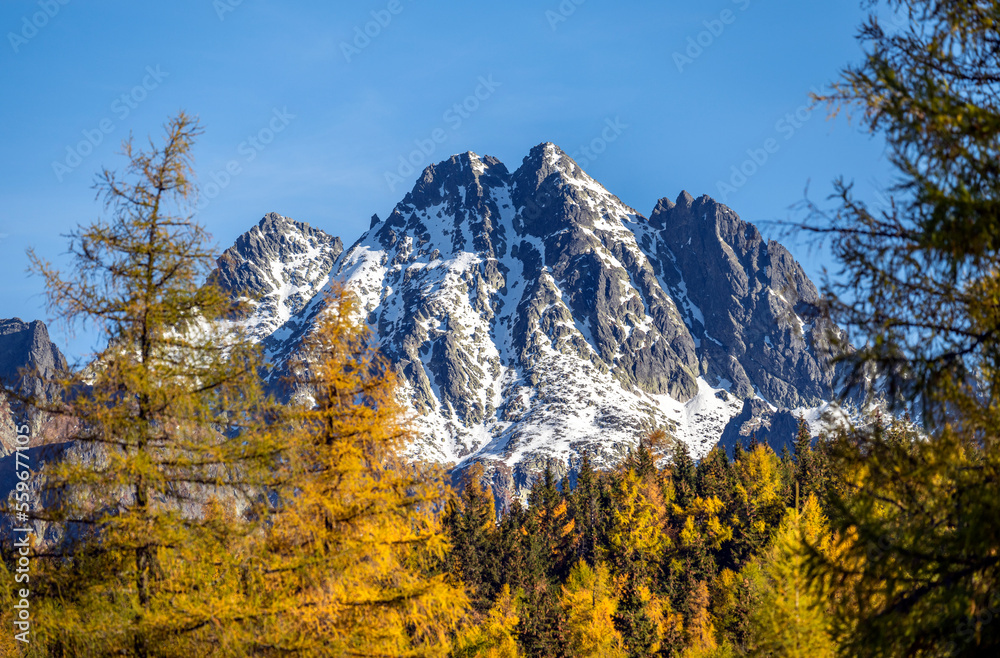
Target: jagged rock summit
278 265
533 316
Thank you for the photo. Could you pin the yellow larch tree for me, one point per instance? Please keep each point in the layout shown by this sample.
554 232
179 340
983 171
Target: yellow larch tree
635 532
700 629
495 635
158 477
795 615
758 494
590 604
355 549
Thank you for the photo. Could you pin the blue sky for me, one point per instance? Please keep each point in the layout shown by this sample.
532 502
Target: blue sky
313 104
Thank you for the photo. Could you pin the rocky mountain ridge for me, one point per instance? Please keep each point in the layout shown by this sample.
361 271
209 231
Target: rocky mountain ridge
534 316
277 266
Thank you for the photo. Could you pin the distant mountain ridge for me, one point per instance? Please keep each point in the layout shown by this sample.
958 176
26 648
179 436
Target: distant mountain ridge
533 316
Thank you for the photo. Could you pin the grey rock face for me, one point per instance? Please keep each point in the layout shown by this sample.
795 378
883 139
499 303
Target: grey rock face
533 316
27 346
759 422
29 361
607 282
28 358
752 306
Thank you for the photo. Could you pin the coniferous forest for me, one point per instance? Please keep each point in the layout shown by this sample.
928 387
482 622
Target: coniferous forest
197 517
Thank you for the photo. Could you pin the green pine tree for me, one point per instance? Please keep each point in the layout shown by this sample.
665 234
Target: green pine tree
470 520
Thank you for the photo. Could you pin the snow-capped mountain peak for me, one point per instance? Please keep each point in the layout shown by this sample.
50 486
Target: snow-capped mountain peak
534 316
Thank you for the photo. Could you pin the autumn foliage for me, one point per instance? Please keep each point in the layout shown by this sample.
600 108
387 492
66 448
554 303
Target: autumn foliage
348 564
618 564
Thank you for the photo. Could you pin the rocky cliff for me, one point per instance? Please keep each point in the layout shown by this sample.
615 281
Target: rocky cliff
28 358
